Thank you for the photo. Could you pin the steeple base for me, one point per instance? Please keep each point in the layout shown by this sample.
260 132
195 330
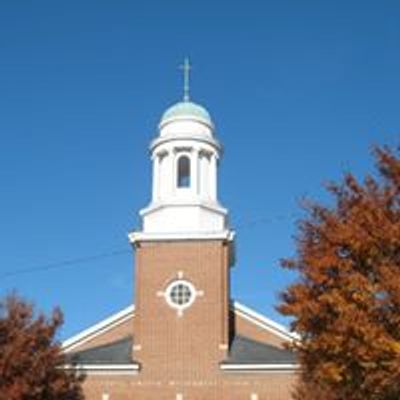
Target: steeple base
187 218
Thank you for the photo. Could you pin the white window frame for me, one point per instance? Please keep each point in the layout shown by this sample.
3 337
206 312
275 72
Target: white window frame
170 287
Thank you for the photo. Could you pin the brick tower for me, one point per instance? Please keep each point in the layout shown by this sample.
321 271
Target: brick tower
183 252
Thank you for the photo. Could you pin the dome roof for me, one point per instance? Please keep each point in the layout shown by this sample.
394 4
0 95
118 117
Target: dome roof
186 109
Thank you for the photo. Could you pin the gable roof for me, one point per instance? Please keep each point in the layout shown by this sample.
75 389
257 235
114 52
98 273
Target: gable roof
263 322
248 351
116 353
244 354
128 313
101 327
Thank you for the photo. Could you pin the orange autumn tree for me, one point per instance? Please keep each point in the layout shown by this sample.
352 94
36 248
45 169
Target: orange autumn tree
30 357
346 303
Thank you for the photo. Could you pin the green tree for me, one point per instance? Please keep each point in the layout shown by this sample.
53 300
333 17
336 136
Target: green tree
346 303
30 357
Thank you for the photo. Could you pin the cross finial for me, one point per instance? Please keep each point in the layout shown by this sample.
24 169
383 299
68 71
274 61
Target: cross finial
186 67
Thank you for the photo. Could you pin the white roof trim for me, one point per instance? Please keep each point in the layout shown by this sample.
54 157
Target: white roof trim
259 367
104 369
128 312
157 237
97 329
263 322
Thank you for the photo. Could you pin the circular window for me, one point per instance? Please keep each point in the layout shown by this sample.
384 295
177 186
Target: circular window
180 294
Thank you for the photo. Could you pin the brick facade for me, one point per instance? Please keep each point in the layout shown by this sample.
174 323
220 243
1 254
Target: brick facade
168 342
272 386
180 355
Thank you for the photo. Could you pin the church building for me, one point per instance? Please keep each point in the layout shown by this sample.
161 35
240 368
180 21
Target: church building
184 338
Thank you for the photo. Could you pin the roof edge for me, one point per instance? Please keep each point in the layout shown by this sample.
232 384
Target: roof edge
125 314
263 322
97 329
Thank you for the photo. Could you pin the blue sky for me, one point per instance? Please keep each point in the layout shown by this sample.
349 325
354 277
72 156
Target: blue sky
299 91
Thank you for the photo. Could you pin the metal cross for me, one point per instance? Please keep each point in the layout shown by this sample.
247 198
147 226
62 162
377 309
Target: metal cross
186 67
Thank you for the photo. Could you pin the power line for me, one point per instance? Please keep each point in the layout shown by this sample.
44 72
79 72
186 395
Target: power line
114 253
265 220
66 263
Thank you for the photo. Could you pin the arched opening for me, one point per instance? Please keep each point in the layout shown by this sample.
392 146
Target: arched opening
183 175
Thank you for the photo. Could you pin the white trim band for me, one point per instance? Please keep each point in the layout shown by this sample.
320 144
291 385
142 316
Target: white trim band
99 328
259 367
135 237
104 369
263 322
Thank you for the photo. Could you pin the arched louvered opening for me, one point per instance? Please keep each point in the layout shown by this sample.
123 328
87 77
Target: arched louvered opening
183 175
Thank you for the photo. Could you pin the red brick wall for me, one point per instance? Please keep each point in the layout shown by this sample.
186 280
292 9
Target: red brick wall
270 386
182 354
169 343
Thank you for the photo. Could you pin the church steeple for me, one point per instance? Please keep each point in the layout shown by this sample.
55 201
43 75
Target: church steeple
185 157
183 251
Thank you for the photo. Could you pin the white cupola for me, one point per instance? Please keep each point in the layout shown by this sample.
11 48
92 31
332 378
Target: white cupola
185 158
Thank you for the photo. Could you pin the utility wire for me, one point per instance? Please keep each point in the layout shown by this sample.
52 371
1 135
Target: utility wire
265 220
62 264
118 252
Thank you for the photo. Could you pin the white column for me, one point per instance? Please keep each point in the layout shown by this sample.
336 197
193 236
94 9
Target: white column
156 177
201 175
194 171
204 175
173 168
213 177
173 173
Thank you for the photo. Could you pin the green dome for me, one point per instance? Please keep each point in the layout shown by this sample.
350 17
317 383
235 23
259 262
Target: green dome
187 109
